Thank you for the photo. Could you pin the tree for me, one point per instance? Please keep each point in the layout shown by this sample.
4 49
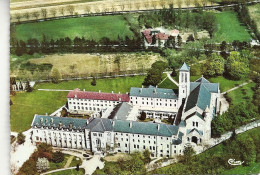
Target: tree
179 40
190 38
88 9
143 116
93 82
42 164
147 156
70 9
18 17
174 73
54 12
256 99
44 13
28 87
55 76
215 65
188 153
64 112
20 138
36 14
26 15
61 10
57 157
237 67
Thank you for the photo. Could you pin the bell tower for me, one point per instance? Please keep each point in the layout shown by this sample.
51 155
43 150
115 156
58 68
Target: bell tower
184 82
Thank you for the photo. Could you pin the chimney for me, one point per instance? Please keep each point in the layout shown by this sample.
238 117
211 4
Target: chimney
60 124
84 90
158 127
119 92
99 91
51 120
87 122
113 123
119 99
46 114
126 92
75 96
112 92
41 120
130 124
156 86
70 126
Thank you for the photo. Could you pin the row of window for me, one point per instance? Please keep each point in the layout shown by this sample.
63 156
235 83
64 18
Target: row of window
144 136
195 124
153 99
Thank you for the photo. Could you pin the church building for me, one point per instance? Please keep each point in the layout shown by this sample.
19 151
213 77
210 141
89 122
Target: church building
117 128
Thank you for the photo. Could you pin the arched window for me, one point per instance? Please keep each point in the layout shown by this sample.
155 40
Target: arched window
188 139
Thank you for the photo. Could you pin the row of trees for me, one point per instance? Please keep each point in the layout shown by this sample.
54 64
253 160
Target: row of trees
78 45
70 9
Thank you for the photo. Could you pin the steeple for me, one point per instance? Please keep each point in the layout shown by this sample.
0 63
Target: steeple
184 82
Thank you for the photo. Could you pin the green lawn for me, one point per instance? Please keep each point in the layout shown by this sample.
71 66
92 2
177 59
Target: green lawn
26 105
70 172
74 162
254 168
230 28
168 84
54 166
240 95
88 27
224 83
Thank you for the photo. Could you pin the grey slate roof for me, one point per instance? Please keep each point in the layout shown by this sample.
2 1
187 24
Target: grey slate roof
195 113
145 128
121 111
178 140
202 80
185 67
153 92
100 125
194 129
212 87
200 96
46 121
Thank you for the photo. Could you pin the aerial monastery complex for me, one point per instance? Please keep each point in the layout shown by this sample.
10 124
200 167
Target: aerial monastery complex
114 125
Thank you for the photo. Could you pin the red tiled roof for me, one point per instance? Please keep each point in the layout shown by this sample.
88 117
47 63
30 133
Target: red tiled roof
98 96
146 32
162 36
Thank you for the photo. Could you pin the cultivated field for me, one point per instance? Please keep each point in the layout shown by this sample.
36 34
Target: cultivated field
91 28
88 64
26 105
229 28
88 6
254 12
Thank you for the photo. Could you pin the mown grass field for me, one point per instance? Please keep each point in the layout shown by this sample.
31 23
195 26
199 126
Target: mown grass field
254 12
90 27
168 84
242 94
230 28
26 105
254 168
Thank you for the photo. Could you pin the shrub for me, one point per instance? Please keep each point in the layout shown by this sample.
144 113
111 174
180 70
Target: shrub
20 138
57 157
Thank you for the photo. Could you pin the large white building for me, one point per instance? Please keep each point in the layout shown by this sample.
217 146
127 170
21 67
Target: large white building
193 108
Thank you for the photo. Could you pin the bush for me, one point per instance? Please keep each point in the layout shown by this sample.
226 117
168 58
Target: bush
57 157
20 138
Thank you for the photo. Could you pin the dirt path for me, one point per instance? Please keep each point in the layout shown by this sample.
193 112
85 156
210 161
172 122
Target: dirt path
243 84
69 161
175 82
